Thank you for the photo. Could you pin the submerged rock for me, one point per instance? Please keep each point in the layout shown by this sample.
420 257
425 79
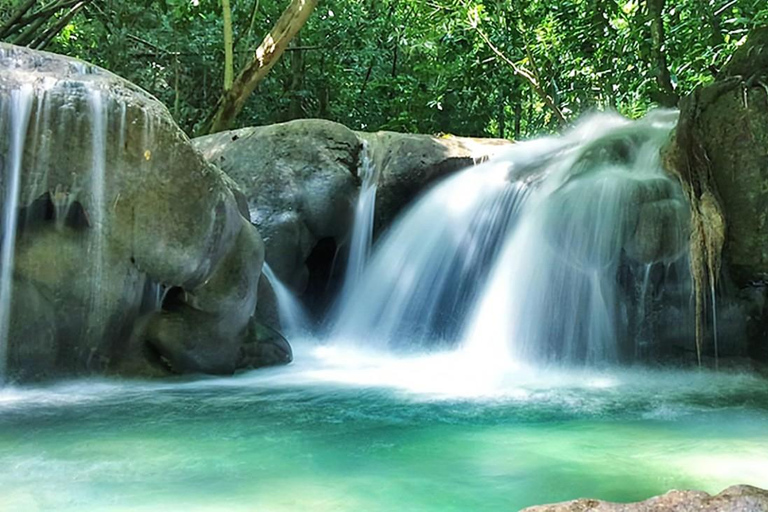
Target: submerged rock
112 196
739 498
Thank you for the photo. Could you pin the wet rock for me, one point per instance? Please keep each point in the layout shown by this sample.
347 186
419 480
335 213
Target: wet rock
114 196
719 152
269 348
86 303
740 498
301 180
408 164
661 231
720 149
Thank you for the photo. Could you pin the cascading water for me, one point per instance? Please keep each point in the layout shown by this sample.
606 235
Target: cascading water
362 230
14 119
429 266
293 318
519 259
60 129
99 122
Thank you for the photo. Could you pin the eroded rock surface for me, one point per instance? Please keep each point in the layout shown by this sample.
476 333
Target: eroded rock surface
720 153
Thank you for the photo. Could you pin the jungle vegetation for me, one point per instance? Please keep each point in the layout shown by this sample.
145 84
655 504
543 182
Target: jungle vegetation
492 68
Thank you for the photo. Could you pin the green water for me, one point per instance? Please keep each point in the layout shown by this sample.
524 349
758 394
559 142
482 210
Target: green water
370 439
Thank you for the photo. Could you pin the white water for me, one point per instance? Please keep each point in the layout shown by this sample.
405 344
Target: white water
294 320
516 260
17 113
362 229
99 121
408 293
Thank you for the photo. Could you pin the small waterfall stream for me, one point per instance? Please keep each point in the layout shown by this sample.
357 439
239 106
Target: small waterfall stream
362 229
14 119
432 262
97 310
294 320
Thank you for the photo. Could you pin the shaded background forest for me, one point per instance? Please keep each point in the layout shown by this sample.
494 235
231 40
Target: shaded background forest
431 66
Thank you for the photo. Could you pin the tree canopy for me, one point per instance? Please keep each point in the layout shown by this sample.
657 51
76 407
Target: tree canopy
500 68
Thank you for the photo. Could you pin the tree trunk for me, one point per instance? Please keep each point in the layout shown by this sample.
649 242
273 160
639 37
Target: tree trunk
229 61
295 110
45 39
270 50
667 96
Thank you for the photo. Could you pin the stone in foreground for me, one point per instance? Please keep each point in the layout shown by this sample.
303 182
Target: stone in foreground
739 498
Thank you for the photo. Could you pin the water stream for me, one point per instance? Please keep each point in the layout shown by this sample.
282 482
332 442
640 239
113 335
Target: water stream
362 228
294 319
519 258
16 116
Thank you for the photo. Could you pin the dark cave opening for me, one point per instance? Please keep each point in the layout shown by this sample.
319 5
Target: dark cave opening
326 275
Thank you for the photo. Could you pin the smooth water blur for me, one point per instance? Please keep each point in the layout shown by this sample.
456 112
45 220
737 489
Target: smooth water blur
347 431
362 226
423 276
519 258
294 319
14 119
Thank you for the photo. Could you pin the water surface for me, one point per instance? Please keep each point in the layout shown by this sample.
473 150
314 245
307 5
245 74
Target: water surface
346 431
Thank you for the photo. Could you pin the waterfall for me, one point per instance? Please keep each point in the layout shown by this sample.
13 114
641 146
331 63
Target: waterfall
362 229
519 258
98 123
15 119
294 320
430 265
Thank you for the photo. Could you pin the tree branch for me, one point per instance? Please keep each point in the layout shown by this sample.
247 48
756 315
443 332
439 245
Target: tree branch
229 58
16 17
270 50
527 75
663 79
52 32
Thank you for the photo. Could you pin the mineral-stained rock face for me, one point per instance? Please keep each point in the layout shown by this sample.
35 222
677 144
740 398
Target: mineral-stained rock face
720 152
731 125
111 197
740 498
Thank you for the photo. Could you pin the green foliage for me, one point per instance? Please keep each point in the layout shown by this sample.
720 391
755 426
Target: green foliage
415 65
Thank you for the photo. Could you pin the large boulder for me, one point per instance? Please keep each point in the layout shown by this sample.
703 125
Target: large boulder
299 179
739 498
728 123
302 179
111 200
